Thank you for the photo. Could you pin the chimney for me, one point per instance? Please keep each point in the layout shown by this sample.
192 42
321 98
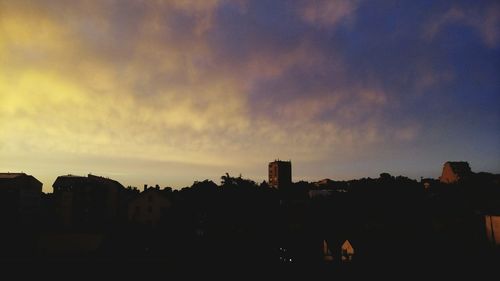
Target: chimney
145 187
157 187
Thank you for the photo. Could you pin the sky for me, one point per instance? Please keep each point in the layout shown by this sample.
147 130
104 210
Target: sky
171 92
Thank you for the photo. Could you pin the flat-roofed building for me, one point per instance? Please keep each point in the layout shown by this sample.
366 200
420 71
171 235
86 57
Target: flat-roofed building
280 174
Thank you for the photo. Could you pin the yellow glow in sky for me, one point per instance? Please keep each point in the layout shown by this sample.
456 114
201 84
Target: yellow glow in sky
169 92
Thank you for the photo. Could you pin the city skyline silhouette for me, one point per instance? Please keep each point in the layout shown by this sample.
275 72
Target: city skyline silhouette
335 227
334 137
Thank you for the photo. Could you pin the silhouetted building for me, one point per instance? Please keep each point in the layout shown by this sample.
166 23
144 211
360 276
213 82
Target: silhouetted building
19 198
149 208
280 174
455 171
125 197
86 201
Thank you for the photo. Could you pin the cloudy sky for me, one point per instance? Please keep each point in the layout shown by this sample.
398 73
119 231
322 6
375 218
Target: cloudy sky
169 92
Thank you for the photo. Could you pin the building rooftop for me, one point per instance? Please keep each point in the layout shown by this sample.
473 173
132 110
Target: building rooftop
281 161
5 177
72 180
459 167
11 175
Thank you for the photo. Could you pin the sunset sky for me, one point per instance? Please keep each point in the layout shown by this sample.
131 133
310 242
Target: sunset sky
169 92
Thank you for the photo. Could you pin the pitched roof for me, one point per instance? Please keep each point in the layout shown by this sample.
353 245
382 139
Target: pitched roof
69 180
460 167
104 180
72 180
6 177
11 175
347 244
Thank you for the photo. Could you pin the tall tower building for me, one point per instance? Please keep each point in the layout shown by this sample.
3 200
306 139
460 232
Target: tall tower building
280 174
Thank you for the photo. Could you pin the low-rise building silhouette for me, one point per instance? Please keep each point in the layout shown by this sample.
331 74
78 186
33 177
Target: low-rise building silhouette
455 171
19 198
86 201
149 207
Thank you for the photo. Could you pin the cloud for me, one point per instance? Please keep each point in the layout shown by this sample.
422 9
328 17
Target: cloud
485 21
328 12
426 77
117 86
434 27
490 26
101 82
62 73
408 133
